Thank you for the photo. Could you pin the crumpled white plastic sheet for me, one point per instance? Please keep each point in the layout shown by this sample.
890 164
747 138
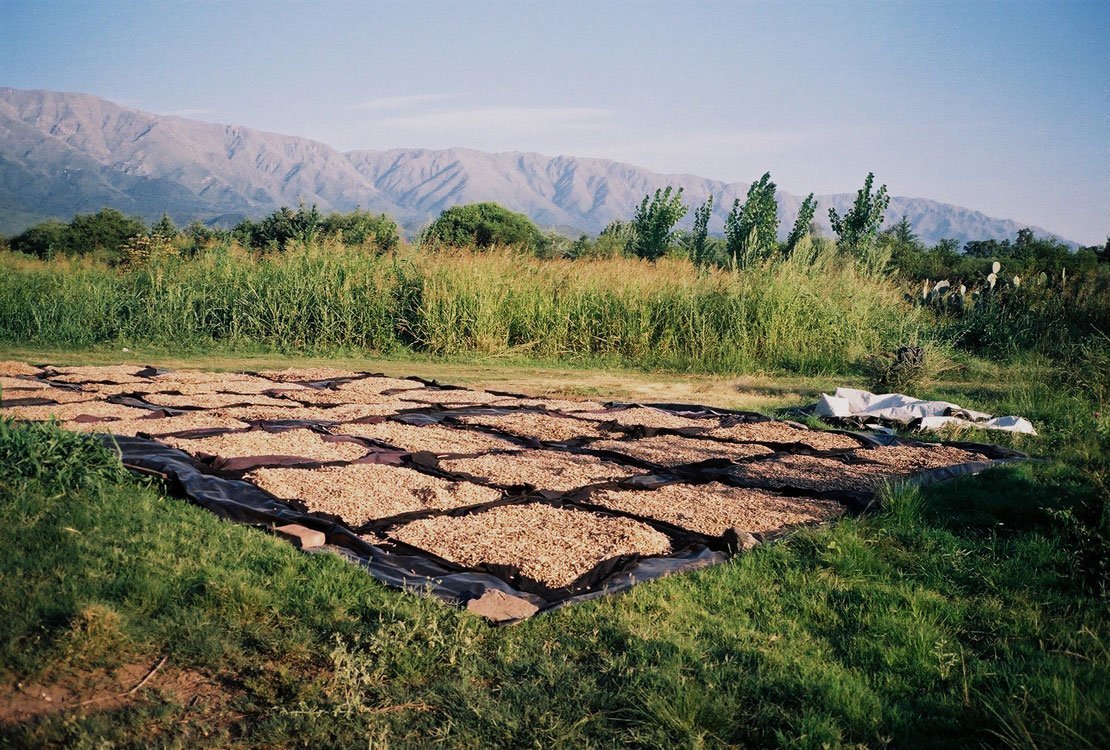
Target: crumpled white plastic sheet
853 403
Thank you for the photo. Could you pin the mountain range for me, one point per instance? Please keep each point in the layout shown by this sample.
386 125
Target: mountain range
63 154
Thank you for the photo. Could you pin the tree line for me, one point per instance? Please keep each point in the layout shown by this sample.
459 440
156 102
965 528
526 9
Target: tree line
750 235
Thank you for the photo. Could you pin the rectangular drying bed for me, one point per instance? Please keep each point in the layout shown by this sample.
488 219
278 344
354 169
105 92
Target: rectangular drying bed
467 494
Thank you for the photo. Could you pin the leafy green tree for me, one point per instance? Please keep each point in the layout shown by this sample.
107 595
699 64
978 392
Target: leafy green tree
751 227
164 227
44 240
280 228
858 229
654 222
483 225
359 228
698 244
801 224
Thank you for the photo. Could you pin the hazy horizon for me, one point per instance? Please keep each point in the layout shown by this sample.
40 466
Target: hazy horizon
1001 108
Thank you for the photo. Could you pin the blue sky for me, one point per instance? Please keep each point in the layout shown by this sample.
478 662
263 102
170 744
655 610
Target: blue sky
1000 106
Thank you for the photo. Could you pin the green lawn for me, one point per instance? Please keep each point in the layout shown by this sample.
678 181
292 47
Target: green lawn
965 614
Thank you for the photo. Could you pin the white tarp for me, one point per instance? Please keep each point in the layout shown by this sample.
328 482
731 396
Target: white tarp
896 407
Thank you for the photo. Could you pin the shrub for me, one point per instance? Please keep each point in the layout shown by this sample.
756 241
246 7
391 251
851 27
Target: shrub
483 225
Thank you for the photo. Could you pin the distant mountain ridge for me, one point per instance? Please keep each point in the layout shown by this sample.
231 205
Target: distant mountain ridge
62 154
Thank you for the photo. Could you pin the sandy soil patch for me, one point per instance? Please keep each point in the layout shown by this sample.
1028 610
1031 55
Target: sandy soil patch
297 442
367 492
673 450
714 508
544 427
550 545
432 438
544 470
780 432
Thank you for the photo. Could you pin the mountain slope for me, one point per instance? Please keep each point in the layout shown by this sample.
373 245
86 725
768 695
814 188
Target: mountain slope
62 154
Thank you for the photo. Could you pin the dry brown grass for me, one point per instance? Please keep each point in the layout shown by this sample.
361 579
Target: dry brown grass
306 374
780 432
544 470
298 442
537 426
551 545
714 508
908 458
642 416
432 438
71 411
211 400
12 367
672 450
379 384
58 395
198 420
825 474
441 397
367 492
105 373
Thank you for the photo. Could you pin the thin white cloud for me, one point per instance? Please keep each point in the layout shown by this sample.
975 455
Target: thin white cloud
189 112
501 119
402 102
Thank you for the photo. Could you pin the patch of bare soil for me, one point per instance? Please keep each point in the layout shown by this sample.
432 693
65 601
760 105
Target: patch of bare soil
780 432
672 450
554 546
299 443
104 690
432 438
544 470
546 427
714 508
366 492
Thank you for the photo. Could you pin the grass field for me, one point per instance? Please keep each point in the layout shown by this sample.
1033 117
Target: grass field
972 613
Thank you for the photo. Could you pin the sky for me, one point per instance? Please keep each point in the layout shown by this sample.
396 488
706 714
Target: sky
1003 107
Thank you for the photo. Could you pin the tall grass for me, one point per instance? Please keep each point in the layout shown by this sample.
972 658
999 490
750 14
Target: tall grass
816 314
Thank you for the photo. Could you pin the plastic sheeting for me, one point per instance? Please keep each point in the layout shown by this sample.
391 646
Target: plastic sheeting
860 407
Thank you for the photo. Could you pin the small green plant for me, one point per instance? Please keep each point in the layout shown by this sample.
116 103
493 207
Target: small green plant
44 452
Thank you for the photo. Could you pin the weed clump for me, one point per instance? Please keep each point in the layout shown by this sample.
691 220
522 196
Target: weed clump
57 458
